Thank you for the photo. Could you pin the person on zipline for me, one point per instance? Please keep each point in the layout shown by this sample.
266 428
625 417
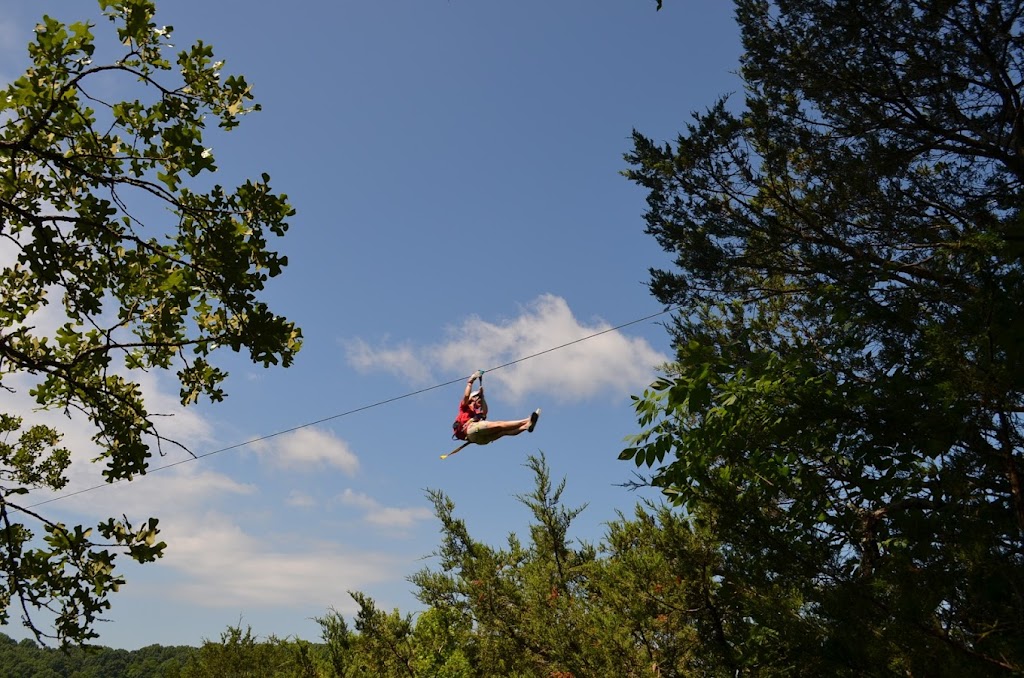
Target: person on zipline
472 425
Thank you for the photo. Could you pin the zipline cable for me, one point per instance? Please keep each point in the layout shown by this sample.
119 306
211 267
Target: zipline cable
354 411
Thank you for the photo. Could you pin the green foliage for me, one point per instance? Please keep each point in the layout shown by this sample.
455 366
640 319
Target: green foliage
27 660
846 404
386 638
437 638
33 460
141 271
659 596
239 654
338 643
632 607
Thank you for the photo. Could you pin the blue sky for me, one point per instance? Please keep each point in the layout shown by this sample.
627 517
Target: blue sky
456 170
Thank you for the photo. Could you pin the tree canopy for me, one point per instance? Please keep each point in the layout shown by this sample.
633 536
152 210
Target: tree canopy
101 230
644 602
846 403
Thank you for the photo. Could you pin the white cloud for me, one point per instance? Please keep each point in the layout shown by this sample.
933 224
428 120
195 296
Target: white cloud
308 449
300 500
609 362
401 361
222 560
227 566
384 516
168 495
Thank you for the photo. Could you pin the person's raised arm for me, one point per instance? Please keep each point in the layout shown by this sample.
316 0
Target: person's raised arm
483 400
469 387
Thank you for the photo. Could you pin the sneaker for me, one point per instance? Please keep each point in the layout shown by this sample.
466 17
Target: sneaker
533 419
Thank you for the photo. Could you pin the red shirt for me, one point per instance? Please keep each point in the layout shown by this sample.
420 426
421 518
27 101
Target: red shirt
469 410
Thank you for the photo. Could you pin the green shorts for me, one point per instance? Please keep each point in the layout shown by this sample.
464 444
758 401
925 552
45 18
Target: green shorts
480 433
